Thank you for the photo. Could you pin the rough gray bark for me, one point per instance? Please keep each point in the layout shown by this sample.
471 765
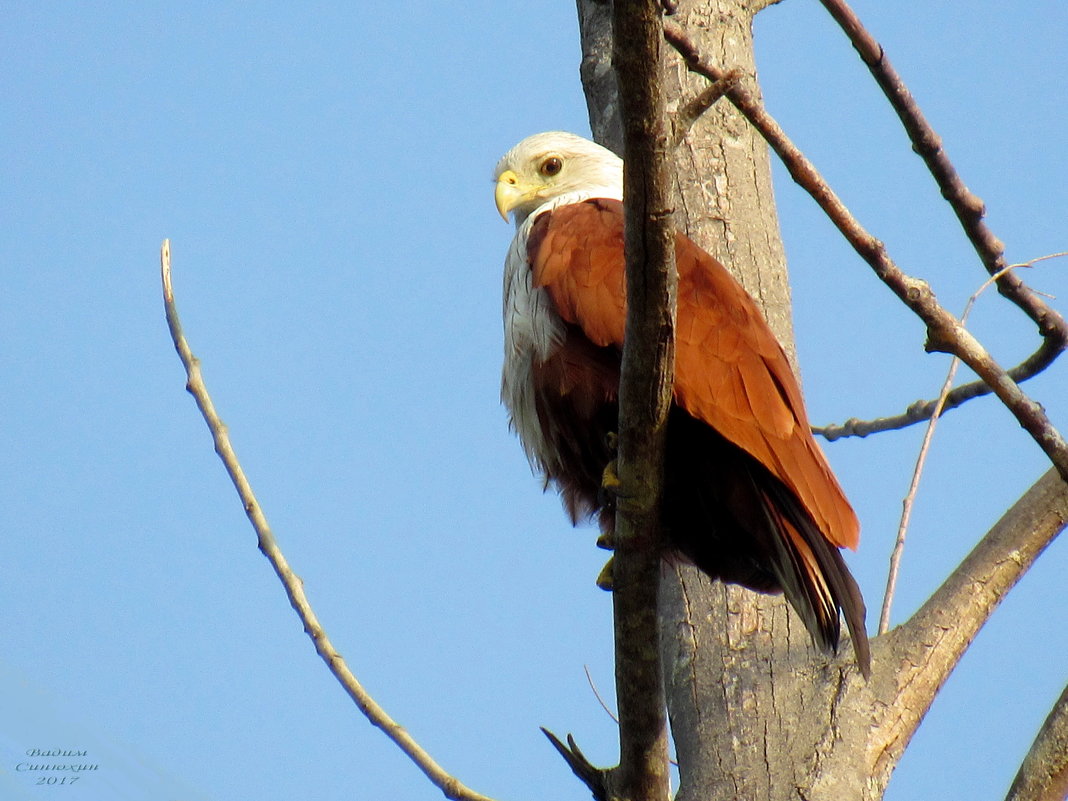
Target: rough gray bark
755 711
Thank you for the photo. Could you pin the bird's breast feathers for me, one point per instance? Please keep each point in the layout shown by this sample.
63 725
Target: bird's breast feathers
532 331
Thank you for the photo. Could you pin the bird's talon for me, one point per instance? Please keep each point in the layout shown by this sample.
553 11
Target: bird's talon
607 541
610 479
604 578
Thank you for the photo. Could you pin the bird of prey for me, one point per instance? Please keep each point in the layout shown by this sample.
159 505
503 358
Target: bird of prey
748 495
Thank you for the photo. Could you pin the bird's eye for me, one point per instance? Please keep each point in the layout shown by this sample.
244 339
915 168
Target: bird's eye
551 166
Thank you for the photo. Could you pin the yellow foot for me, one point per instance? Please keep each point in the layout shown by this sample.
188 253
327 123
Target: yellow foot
604 578
610 483
607 540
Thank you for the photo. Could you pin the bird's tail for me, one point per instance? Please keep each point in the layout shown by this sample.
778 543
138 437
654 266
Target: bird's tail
814 577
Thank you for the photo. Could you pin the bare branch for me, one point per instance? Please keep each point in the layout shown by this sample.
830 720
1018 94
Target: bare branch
450 786
965 204
920 655
1043 775
921 410
645 392
944 331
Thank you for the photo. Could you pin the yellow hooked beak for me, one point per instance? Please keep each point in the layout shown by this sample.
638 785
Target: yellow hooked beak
511 192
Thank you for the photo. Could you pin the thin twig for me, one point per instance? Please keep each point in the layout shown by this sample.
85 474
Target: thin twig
944 331
294 587
921 410
910 497
597 695
921 459
604 706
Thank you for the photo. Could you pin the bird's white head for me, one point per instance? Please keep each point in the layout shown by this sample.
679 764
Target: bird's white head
551 168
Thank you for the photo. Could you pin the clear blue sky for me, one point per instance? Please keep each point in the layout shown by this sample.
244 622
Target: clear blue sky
324 177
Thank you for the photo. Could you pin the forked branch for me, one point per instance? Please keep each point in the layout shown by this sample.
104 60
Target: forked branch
895 559
969 210
596 779
450 786
923 410
931 643
944 331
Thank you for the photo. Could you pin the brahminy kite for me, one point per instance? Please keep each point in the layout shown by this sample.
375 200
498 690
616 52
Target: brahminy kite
748 496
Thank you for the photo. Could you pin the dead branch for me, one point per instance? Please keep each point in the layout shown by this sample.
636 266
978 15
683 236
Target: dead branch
450 786
1043 776
921 410
969 210
920 655
965 204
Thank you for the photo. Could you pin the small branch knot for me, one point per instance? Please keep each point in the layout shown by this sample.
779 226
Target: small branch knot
916 289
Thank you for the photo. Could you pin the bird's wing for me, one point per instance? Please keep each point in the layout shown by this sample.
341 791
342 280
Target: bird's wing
730 371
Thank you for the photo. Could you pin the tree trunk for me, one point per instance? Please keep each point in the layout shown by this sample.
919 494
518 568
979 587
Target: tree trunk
751 703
